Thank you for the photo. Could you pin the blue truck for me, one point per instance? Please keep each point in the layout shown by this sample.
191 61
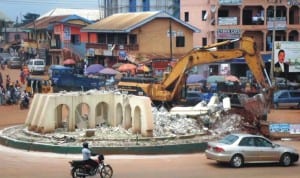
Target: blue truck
69 79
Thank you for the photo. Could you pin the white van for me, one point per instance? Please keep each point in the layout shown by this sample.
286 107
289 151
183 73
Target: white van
36 66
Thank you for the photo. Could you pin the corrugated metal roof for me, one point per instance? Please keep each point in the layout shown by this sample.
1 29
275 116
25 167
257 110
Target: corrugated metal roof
125 22
90 14
44 22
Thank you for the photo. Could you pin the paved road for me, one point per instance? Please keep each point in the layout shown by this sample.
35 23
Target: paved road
20 163
24 164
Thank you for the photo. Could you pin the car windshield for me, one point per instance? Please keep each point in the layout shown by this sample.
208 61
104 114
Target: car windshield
39 62
229 139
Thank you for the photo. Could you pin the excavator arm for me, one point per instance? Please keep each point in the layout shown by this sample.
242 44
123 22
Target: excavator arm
172 84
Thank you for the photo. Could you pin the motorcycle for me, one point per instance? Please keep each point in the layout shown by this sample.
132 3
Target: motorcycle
79 168
24 103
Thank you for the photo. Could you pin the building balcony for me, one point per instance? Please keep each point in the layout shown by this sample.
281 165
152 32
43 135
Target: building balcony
130 47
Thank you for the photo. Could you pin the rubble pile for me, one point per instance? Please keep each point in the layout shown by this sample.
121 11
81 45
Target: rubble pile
166 125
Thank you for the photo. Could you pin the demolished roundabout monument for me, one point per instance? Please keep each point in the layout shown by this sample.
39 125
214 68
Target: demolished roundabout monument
114 123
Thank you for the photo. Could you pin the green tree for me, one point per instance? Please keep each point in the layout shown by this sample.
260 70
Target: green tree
29 17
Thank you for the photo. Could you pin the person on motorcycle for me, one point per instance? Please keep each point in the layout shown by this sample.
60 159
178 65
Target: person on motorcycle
86 153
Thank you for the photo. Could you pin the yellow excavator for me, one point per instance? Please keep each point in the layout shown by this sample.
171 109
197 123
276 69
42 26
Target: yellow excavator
170 88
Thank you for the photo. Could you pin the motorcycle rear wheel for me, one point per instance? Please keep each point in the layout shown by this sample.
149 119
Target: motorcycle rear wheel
73 173
106 171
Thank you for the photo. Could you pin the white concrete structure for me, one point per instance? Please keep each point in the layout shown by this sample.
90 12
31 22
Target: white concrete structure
50 111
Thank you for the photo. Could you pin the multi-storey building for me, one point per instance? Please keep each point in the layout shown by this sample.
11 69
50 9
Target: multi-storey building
120 6
263 20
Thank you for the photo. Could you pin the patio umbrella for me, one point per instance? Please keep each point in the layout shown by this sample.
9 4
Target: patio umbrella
232 78
94 68
108 71
116 65
215 79
127 67
143 68
69 62
195 78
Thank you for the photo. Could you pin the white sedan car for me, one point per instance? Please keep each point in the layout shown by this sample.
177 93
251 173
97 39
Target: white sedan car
238 149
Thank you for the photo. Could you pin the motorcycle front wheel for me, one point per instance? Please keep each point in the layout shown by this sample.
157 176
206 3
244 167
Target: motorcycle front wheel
106 171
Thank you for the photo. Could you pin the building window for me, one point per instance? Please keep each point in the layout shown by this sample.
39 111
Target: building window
132 39
186 16
132 6
110 38
122 39
146 5
75 39
17 37
101 38
204 41
204 15
180 41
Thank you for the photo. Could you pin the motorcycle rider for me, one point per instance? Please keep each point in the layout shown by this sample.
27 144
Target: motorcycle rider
86 153
24 99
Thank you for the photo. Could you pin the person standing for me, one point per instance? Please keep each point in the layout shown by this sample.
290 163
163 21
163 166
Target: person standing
7 81
1 79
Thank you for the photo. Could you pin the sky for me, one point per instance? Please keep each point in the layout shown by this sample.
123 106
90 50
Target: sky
18 8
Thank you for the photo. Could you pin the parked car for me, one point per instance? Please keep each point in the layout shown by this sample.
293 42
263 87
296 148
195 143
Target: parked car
238 149
36 66
286 98
4 57
14 62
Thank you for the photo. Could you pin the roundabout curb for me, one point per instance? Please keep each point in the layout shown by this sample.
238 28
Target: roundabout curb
132 150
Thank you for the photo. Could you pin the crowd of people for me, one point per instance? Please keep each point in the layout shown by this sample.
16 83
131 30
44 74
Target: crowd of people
12 92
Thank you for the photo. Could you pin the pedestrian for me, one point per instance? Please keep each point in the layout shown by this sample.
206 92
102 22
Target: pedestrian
22 77
2 94
7 81
1 79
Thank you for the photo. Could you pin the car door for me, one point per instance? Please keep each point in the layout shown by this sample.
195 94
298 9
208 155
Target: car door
266 151
248 149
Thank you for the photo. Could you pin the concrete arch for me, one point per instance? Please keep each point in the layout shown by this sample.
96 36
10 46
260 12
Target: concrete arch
119 114
82 115
62 116
137 123
128 119
102 113
97 107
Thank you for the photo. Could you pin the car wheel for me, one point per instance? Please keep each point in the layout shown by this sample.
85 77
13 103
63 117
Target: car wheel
286 159
237 161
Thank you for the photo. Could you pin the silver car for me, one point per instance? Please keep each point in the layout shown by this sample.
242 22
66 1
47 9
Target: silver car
238 149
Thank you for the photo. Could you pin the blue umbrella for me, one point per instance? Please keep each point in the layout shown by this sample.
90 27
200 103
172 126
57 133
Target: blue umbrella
94 68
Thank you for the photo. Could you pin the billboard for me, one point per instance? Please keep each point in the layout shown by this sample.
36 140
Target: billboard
286 56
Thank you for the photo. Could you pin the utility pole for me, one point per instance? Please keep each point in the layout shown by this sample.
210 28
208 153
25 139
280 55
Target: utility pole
171 35
273 43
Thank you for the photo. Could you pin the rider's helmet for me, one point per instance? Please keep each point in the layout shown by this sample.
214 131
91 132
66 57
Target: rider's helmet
85 145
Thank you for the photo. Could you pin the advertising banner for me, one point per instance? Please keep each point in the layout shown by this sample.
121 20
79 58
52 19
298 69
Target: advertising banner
286 56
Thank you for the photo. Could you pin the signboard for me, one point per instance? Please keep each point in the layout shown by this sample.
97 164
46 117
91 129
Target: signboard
280 23
230 2
293 2
228 33
280 128
291 56
295 129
